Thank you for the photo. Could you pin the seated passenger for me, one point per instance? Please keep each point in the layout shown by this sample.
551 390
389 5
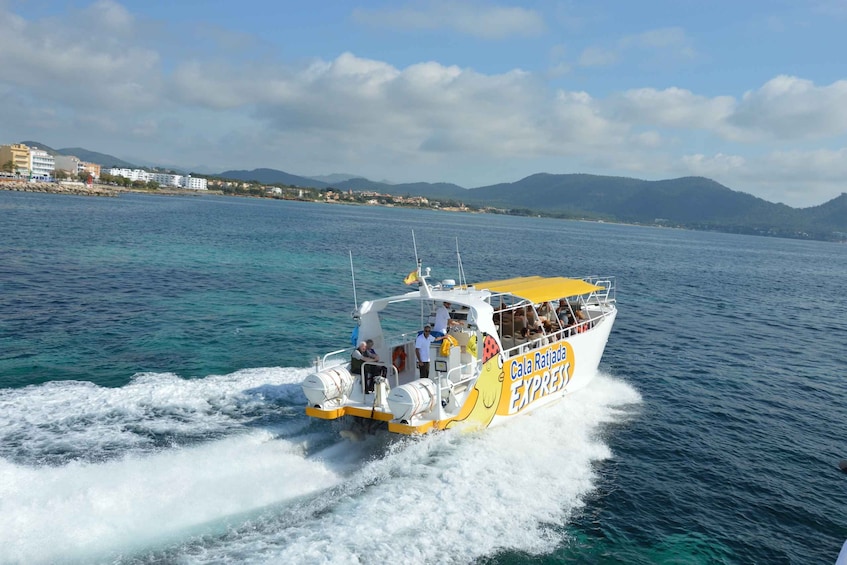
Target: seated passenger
358 359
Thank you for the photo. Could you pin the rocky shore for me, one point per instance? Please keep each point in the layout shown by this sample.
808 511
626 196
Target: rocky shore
78 189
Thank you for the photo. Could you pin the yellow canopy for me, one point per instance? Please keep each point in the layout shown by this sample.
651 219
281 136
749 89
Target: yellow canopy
539 289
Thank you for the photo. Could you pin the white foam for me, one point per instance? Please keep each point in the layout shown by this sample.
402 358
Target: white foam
452 497
89 510
447 497
65 420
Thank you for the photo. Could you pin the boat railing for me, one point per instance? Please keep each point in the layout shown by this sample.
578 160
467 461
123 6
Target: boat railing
325 360
515 346
456 378
604 296
389 367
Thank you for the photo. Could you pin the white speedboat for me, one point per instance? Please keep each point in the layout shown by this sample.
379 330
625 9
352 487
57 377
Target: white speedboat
512 346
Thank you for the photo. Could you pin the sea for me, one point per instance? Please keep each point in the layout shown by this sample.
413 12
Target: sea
151 350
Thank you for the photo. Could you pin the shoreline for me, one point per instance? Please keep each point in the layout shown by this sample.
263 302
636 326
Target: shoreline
77 189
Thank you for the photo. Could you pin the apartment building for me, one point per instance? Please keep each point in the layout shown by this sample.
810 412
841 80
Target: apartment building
131 174
42 165
18 155
194 183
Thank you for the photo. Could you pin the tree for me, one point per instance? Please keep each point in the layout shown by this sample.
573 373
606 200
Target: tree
8 167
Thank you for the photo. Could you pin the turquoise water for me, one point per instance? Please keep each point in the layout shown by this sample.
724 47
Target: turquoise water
151 349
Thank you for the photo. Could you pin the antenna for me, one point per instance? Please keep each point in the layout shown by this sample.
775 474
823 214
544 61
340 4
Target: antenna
462 281
353 276
415 245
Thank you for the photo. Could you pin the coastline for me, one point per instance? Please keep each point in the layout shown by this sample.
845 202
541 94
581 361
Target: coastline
77 189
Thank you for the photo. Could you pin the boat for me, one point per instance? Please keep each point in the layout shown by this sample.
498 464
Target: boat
513 345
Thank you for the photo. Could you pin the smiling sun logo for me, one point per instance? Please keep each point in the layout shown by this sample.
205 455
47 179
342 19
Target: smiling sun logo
481 405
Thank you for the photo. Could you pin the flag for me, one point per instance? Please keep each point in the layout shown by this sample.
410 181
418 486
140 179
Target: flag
411 277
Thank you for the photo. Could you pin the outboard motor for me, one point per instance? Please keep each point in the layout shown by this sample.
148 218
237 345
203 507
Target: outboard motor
411 399
329 385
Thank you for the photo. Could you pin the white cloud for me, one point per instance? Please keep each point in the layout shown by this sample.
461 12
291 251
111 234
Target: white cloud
788 107
656 47
56 62
671 38
598 57
796 178
476 19
672 107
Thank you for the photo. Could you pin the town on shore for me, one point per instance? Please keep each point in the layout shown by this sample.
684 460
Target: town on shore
28 169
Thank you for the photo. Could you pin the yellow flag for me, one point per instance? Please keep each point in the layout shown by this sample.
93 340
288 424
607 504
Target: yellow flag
411 277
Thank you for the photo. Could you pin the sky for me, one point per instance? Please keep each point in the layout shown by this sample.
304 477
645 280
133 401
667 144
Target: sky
752 94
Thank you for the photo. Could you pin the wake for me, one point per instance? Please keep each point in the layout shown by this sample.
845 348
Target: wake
249 478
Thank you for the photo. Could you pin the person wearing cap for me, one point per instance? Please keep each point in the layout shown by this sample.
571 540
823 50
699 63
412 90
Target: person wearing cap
424 339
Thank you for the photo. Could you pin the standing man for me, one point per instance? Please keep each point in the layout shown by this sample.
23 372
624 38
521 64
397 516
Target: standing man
422 351
442 320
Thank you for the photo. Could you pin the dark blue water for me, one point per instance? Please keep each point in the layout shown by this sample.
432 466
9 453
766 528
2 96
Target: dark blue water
151 349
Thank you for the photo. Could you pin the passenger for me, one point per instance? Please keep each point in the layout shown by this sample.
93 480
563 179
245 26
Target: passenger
358 358
532 321
357 361
422 344
373 357
545 312
582 321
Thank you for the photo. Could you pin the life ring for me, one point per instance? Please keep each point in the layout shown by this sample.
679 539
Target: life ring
398 358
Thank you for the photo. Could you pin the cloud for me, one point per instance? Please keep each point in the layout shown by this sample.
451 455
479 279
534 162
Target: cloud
476 19
672 107
598 57
797 178
656 47
672 39
56 62
789 108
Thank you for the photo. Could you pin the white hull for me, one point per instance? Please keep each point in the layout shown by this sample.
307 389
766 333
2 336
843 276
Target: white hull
481 376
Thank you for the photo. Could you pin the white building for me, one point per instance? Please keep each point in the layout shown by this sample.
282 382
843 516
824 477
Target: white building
162 179
166 179
41 164
194 183
131 174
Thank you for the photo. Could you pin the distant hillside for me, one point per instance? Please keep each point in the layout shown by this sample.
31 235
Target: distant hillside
429 190
101 159
272 176
692 202
333 178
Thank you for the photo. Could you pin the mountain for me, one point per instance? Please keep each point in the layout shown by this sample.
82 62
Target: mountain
333 178
272 176
692 202
427 189
101 159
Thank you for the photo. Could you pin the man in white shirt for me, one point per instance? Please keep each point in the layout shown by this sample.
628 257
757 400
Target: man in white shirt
422 351
442 320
